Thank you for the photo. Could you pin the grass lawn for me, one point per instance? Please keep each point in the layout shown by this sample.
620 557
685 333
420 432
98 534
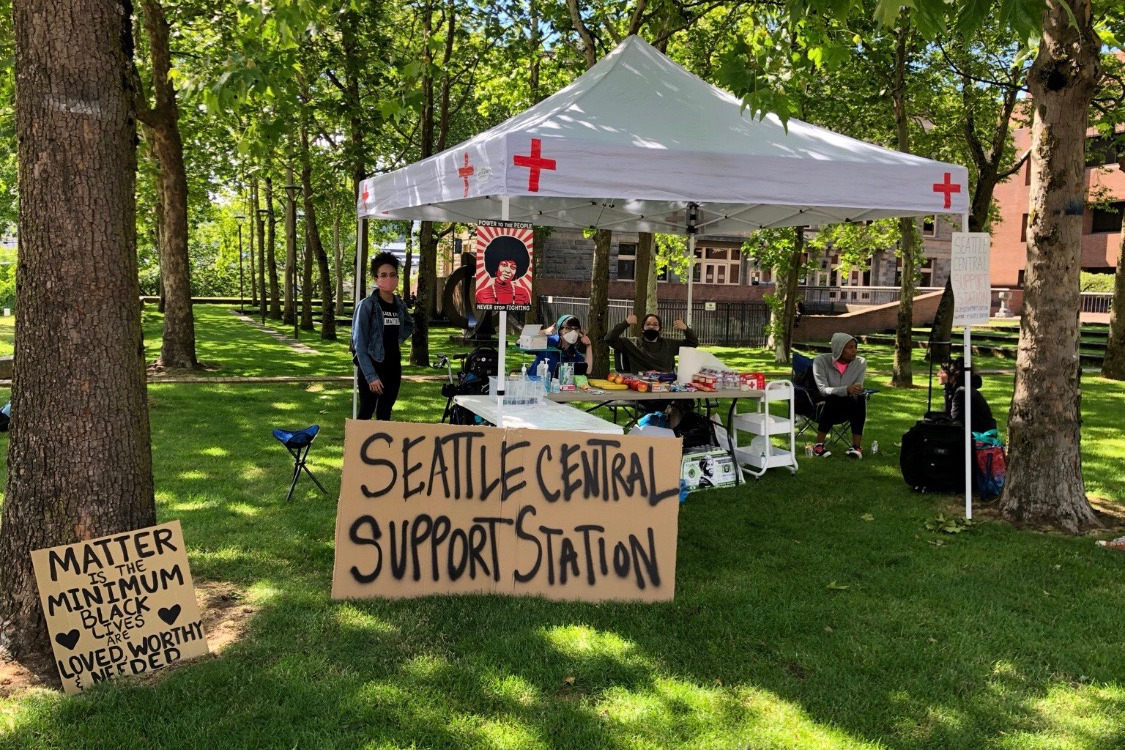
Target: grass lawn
811 611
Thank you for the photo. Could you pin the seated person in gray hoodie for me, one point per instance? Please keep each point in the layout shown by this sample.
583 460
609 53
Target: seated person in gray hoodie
839 381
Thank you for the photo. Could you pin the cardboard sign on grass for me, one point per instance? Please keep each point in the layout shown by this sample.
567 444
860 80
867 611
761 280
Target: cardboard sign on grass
443 509
119 604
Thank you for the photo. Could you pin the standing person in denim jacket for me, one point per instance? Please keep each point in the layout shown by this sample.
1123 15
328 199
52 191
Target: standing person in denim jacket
380 326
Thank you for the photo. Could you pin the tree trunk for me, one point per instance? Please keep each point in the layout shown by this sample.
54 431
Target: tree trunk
783 347
338 261
424 302
1113 366
357 156
902 371
260 227
644 269
271 243
538 261
79 455
178 345
290 250
406 267
598 324
1044 483
253 240
314 253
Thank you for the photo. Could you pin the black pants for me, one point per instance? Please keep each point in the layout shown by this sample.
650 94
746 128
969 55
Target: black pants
839 409
390 373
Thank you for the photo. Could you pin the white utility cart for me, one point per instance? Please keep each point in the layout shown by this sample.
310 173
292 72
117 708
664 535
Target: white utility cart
772 442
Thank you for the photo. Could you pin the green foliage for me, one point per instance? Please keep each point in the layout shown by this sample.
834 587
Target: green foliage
854 244
1097 282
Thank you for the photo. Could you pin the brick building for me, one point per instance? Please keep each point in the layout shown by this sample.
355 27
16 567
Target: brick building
1101 226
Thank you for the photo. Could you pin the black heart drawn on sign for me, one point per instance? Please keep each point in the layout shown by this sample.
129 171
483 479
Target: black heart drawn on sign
67 639
169 614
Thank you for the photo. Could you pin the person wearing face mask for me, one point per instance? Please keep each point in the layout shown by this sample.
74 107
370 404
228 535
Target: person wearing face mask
379 328
651 351
571 342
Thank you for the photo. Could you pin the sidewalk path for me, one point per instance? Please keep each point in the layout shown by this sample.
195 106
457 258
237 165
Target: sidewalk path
293 343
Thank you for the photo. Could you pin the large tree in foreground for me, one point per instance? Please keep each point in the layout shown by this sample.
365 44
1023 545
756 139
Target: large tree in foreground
1044 483
79 457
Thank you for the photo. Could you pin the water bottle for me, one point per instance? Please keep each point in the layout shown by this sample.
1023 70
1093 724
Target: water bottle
809 450
874 446
544 377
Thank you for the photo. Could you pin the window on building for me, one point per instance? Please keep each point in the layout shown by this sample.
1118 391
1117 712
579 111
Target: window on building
929 227
717 265
1101 151
927 271
626 261
1027 172
1023 229
1108 219
1019 279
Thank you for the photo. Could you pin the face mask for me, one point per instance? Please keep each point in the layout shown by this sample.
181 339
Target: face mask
650 334
570 337
386 284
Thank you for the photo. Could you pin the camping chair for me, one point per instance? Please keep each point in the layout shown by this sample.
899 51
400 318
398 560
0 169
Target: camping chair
808 403
298 442
476 367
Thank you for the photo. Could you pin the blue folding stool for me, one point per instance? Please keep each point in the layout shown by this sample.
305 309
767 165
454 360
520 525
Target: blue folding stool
298 442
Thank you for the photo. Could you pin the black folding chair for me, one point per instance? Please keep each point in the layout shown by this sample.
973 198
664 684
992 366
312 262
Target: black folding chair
298 442
808 403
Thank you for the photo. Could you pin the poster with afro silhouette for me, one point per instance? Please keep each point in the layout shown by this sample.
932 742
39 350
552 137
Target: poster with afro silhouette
503 275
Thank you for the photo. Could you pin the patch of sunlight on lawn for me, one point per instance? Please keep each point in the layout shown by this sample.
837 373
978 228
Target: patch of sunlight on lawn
215 451
505 732
512 688
352 617
287 406
1070 717
714 717
581 641
194 474
426 667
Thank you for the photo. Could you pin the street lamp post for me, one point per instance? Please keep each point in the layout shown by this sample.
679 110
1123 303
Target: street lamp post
241 288
291 191
263 213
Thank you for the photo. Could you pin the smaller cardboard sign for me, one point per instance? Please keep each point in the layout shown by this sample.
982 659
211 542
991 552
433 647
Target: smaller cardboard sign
970 277
119 604
504 266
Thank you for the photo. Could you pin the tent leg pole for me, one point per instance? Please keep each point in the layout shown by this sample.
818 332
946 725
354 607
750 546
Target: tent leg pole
359 226
690 275
967 381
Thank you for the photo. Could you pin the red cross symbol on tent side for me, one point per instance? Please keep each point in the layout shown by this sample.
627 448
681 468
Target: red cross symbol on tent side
535 163
466 172
947 188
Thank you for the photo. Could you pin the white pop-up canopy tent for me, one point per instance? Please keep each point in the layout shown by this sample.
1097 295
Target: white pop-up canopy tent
637 143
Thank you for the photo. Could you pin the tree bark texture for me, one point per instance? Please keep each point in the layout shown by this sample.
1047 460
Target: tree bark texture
1044 480
271 253
644 267
253 211
424 302
598 324
79 455
290 250
902 371
338 262
784 346
178 345
314 253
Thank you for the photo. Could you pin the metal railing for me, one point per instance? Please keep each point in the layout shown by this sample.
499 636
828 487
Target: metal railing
728 324
1096 302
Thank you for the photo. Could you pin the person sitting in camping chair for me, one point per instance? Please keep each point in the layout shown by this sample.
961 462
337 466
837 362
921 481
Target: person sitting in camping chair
839 380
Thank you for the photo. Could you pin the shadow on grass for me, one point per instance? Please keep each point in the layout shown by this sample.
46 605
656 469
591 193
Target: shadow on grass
798 621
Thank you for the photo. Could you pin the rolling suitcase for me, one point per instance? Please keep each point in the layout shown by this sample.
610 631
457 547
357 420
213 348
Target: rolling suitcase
933 456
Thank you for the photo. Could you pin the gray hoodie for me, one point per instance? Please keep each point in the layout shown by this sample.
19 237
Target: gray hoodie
829 380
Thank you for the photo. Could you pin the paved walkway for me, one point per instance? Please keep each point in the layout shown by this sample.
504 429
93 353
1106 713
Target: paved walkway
293 343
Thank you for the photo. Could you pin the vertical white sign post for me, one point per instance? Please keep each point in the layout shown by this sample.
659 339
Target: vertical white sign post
972 303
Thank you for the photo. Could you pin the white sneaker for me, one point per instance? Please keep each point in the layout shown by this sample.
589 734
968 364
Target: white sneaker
854 452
